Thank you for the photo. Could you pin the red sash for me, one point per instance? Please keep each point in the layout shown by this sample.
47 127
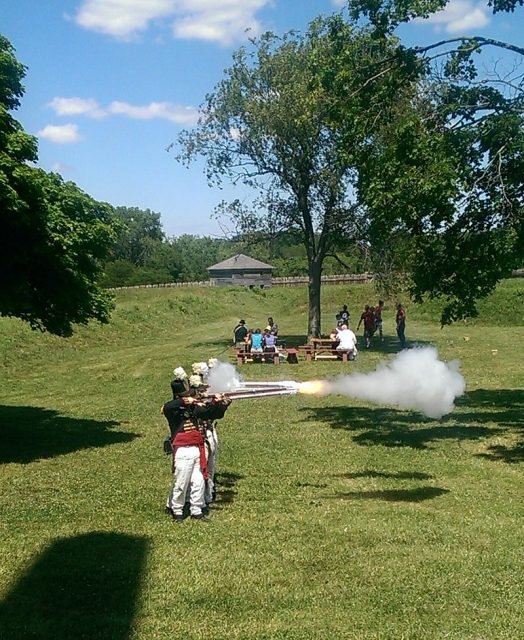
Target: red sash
192 439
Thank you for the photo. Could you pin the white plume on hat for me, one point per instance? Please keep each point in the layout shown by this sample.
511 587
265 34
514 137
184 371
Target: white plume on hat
180 373
212 362
200 368
195 380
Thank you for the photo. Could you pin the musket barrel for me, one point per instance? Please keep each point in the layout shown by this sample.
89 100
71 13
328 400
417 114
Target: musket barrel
244 394
284 384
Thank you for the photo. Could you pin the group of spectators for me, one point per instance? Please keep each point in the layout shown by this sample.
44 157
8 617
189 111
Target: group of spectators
371 320
256 340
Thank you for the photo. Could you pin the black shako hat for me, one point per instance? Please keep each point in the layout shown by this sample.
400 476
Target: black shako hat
179 387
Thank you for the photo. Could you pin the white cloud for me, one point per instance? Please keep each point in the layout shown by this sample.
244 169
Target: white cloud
223 21
164 110
76 107
185 116
122 18
460 16
63 134
339 3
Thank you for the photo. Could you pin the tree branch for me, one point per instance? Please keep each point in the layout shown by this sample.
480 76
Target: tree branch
477 39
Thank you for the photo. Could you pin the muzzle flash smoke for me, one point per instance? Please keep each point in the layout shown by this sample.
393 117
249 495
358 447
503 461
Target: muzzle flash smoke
415 379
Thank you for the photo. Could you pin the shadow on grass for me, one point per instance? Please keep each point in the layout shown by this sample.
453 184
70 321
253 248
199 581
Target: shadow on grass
505 407
390 345
392 428
32 433
84 587
226 491
393 495
398 475
479 415
417 494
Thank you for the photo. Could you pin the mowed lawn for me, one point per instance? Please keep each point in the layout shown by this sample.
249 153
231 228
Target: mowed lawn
335 518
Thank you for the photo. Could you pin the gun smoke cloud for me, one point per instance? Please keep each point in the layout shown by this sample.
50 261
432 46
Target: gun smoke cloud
415 379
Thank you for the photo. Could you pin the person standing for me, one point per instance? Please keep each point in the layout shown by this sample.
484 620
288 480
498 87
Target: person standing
368 318
343 316
401 325
216 406
378 319
189 456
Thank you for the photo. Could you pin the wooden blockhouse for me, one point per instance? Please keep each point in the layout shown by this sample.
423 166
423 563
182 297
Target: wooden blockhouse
241 271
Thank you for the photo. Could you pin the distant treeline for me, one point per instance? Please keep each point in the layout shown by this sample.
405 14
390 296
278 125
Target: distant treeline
144 255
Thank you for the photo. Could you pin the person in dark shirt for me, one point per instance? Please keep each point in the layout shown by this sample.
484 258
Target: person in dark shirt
343 316
240 334
183 414
216 406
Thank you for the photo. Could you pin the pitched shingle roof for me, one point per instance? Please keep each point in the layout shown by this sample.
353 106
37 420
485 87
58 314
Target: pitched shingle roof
240 261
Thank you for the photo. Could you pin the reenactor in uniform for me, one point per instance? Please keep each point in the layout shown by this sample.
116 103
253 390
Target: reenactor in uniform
184 413
216 407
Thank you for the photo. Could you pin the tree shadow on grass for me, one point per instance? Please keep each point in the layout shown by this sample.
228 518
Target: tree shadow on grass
505 407
418 494
479 415
84 587
397 475
391 345
226 491
392 428
32 433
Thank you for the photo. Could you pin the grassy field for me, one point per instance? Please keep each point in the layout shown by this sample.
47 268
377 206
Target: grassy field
334 519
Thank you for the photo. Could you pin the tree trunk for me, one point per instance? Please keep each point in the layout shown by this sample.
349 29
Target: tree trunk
315 271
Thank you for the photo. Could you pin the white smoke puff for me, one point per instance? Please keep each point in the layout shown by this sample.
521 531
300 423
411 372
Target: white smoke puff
223 377
415 379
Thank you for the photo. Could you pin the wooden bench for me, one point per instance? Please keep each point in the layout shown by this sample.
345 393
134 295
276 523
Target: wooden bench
331 354
292 355
307 351
243 356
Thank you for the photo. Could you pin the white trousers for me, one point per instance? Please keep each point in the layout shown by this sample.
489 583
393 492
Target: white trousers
188 476
212 455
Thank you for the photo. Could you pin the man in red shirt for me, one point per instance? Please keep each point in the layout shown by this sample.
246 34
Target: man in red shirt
378 319
401 325
368 318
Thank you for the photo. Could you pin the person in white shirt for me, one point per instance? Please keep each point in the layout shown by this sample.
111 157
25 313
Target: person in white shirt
347 341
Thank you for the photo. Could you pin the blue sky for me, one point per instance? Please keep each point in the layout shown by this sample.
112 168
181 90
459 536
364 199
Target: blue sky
111 83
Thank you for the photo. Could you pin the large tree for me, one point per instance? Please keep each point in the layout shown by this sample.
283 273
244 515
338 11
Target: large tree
272 124
139 235
53 235
465 216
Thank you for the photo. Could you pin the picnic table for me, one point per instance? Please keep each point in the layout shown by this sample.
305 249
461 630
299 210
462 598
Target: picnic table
323 349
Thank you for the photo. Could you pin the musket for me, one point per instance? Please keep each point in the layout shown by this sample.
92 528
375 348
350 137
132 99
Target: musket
249 390
261 392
